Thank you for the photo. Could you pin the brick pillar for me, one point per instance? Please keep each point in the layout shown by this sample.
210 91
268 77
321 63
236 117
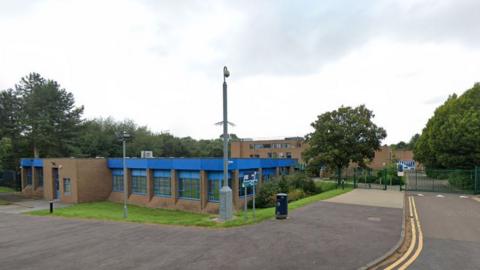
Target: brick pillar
173 185
128 178
34 185
23 178
291 170
203 189
235 187
260 177
277 171
149 184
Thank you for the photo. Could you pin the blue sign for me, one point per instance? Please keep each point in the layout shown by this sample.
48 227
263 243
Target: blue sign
249 180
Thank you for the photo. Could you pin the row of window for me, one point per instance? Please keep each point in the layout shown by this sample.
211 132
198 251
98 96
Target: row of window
273 145
188 184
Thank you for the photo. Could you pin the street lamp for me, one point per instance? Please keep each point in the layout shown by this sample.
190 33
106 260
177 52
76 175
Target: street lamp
226 207
124 137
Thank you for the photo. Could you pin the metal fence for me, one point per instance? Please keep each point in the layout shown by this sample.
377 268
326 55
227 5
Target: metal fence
10 179
444 180
368 178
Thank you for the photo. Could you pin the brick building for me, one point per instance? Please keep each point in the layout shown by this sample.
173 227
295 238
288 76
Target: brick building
177 183
284 148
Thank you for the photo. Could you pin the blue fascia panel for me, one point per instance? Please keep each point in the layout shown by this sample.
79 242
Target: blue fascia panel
197 164
268 171
189 174
31 162
217 175
117 172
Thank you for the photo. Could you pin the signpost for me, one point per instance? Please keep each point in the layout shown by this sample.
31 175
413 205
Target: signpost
249 181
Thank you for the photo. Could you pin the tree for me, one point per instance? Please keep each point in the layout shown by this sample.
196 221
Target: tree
451 138
5 152
343 136
50 118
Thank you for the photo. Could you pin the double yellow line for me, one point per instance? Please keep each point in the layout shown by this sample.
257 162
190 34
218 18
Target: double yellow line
416 243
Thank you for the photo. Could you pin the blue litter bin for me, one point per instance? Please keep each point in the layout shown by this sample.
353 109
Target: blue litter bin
281 208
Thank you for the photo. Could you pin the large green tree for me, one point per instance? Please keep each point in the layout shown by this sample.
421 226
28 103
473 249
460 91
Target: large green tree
50 118
342 136
451 138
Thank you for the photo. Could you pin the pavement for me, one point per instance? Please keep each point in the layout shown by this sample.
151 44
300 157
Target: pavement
20 204
451 230
371 197
322 235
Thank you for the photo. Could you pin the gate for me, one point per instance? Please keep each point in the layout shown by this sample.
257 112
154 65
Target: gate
444 180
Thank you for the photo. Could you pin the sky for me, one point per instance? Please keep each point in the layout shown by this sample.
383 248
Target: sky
160 63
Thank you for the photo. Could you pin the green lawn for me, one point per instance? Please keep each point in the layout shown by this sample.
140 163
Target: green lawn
114 211
3 202
6 189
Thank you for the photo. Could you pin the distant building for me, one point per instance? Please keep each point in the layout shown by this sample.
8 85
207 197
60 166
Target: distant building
291 147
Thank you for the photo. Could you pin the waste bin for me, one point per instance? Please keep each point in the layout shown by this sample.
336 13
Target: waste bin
281 208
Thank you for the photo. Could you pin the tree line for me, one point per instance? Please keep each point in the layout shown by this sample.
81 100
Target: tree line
39 118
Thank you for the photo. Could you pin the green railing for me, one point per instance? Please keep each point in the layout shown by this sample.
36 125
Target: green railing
444 180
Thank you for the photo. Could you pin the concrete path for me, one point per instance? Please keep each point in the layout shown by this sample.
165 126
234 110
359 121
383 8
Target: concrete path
19 204
322 235
372 197
451 229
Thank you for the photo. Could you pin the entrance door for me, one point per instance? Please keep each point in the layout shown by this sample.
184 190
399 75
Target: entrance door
56 184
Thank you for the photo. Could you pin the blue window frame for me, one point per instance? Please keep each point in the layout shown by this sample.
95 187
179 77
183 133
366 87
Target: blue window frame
188 185
241 190
39 176
215 182
67 186
117 184
29 176
162 183
267 174
139 182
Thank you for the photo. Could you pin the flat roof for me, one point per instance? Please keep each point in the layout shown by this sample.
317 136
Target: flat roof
208 164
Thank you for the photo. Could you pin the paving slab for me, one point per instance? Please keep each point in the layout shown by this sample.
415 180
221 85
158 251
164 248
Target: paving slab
372 197
323 235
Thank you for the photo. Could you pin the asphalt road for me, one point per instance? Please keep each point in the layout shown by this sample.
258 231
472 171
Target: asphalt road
451 230
323 235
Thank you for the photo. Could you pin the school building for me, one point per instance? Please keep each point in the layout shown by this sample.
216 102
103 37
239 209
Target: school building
191 184
290 147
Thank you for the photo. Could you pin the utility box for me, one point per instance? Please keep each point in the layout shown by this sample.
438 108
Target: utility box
281 208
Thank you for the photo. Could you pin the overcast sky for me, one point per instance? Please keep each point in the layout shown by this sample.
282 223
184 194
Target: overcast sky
160 63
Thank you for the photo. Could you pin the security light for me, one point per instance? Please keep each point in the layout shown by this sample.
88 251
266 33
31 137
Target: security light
226 73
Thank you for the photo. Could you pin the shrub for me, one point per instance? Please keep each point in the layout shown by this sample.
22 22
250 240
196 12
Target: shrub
301 181
461 180
296 194
266 194
324 186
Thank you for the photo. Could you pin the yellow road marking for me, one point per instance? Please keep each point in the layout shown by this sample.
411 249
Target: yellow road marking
420 241
412 243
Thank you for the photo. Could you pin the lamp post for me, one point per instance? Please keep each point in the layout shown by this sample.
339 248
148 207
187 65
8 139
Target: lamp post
226 207
124 138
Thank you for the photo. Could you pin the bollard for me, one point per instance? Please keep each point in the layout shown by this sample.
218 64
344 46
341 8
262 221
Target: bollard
51 207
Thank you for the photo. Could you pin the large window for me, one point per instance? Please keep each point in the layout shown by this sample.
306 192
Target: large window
117 180
189 185
39 176
267 174
29 176
139 182
215 183
162 183
241 189
67 186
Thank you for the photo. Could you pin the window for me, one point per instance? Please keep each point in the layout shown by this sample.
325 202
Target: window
139 182
241 189
29 176
267 174
215 183
39 176
162 183
269 155
189 185
117 185
67 186
289 155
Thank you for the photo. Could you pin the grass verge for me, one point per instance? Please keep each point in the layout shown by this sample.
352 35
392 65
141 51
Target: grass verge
114 211
6 190
3 202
